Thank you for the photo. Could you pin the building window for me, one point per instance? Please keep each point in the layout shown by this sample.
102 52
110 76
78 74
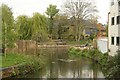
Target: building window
118 19
119 3
112 2
112 40
112 21
117 41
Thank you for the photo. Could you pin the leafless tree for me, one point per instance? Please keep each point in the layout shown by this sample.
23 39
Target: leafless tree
81 10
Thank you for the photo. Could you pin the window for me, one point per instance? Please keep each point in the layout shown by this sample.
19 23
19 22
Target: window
117 41
119 3
112 2
112 21
118 20
112 40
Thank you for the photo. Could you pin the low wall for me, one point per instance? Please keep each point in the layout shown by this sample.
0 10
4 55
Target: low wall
7 72
53 46
24 46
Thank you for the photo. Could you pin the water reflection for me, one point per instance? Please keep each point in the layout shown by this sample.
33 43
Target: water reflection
58 67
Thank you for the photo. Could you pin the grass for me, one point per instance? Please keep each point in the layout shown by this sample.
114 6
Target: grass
26 63
14 59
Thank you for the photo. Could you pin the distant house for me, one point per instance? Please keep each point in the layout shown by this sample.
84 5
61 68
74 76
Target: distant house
101 30
89 29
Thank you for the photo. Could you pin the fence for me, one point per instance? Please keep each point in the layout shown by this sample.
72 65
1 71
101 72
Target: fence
24 46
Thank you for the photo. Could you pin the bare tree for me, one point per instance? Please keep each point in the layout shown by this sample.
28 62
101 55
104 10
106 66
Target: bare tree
81 10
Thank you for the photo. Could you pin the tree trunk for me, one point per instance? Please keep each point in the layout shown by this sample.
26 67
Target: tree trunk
37 46
3 46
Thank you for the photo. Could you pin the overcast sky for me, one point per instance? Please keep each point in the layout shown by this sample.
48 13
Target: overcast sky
28 7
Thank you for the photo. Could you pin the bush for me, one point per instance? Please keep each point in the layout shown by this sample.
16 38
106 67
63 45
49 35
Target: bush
113 67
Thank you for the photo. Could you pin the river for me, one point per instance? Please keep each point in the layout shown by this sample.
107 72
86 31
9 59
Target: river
59 65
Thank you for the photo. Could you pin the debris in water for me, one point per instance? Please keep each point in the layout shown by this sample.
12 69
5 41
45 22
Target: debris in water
66 60
53 62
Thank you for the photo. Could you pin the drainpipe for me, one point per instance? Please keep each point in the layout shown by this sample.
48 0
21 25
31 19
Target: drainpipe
108 30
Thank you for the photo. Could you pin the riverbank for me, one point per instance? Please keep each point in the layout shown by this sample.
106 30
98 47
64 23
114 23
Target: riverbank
110 65
19 64
92 54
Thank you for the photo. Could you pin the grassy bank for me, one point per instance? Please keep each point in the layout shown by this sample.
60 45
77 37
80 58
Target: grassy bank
14 59
26 63
92 54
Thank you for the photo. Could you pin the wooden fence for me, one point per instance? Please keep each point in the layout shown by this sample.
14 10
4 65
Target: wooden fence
24 46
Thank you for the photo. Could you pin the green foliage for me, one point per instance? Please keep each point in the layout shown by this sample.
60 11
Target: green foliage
8 34
32 28
77 52
72 52
51 12
33 64
59 27
12 59
24 27
110 65
92 36
93 54
112 69
39 27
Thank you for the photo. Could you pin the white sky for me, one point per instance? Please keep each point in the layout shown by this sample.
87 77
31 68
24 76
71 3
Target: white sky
28 7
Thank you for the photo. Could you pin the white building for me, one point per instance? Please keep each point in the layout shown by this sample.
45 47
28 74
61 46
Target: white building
114 27
102 44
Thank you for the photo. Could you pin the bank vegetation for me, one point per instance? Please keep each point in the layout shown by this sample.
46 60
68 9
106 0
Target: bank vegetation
110 65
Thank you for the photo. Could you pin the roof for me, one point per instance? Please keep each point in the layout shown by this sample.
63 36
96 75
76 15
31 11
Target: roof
100 26
88 32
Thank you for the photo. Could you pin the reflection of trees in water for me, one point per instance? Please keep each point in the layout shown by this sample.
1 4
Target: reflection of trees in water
95 68
63 68
53 70
53 60
73 68
82 68
53 64
77 69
